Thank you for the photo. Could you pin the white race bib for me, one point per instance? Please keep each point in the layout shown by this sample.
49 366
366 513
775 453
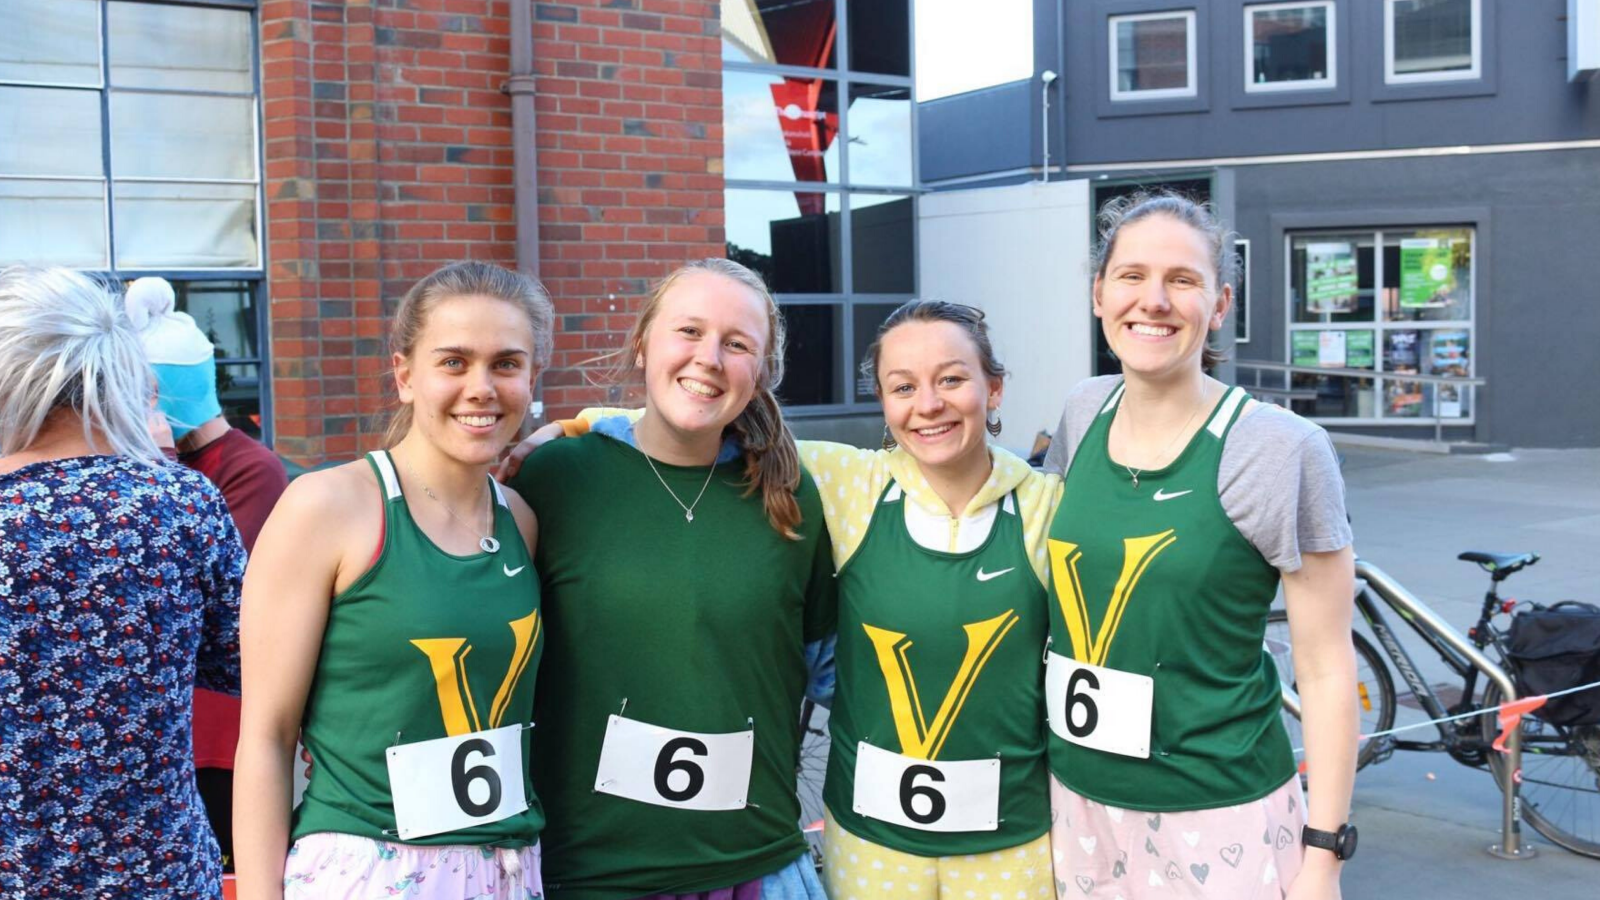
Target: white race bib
927 795
1097 707
452 783
682 769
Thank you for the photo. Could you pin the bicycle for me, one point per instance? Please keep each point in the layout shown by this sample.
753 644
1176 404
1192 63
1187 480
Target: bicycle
810 770
1559 773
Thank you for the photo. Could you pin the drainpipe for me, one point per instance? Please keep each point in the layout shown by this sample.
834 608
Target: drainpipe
525 157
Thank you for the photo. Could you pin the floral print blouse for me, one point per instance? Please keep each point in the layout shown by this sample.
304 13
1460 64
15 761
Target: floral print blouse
119 592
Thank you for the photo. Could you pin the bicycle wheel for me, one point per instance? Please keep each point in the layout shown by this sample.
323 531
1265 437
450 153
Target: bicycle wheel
1374 686
1560 783
809 773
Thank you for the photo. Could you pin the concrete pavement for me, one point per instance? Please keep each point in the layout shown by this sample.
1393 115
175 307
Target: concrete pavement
1425 820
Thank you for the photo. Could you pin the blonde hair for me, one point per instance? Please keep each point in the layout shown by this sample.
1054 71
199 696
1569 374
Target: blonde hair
468 278
66 344
771 462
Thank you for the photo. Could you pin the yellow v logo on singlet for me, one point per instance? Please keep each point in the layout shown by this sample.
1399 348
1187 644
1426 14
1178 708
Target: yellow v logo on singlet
920 738
1137 554
448 658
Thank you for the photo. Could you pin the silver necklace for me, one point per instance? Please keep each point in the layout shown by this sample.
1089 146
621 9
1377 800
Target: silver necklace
688 511
1135 473
486 542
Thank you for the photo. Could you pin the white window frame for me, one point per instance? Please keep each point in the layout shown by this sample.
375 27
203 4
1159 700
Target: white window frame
1192 89
1329 78
1475 71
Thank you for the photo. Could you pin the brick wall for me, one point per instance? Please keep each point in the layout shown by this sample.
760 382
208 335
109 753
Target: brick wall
388 153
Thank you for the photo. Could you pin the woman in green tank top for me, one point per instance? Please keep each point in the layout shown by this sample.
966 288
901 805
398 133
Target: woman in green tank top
1185 505
391 621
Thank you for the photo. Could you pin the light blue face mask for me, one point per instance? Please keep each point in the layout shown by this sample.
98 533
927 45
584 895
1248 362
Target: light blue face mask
188 395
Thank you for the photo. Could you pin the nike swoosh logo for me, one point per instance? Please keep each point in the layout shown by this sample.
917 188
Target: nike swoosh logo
985 576
510 572
1161 495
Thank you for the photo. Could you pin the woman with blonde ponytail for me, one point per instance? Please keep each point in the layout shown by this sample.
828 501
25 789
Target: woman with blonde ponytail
683 611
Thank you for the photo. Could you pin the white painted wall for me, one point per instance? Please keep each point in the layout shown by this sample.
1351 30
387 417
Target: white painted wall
1021 254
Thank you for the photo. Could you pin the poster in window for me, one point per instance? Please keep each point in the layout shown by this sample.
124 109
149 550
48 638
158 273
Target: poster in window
1304 349
1330 277
1358 350
1330 349
1426 273
1448 350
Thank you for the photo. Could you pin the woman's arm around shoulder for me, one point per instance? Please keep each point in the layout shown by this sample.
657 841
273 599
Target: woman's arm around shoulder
320 537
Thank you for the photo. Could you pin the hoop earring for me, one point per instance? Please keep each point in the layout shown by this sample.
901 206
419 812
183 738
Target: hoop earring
889 442
993 423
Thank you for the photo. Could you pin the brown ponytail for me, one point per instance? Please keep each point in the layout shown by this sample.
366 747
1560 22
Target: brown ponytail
771 462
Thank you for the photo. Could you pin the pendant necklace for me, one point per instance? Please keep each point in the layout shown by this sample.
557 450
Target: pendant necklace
1135 473
486 542
688 510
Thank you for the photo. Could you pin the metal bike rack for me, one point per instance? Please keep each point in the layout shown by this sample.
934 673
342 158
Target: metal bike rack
1407 604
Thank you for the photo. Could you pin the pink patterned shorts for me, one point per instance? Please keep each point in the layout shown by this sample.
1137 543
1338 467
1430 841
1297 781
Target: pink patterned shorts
327 866
1247 852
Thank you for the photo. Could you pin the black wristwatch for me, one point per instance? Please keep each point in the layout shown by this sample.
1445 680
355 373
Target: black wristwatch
1341 842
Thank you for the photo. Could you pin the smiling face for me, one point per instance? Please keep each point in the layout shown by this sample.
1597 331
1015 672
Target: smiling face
1159 297
936 398
469 376
703 355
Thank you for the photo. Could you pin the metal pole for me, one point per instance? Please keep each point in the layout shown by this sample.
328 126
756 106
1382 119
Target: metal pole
1408 605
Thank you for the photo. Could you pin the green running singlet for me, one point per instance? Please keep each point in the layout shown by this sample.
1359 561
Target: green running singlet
1156 581
939 659
423 645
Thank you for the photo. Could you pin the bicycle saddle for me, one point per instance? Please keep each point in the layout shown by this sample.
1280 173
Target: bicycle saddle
1503 565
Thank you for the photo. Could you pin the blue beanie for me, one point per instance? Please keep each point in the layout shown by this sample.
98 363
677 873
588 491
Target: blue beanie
183 359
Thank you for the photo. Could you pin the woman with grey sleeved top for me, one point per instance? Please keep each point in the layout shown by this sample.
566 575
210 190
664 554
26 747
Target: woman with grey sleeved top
1185 505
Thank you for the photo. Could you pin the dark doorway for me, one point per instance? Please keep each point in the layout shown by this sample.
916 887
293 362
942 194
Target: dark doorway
1196 189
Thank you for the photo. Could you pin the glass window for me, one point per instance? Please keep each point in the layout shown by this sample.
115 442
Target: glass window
882 229
880 36
790 237
168 224
777 128
1431 40
1331 277
1427 275
50 132
217 47
239 392
225 312
1290 46
866 318
781 32
59 223
1241 292
880 135
1424 284
1153 56
182 136
811 356
1336 398
50 42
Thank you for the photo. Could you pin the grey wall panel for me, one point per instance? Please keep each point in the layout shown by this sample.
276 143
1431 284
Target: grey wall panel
977 132
1524 95
1537 328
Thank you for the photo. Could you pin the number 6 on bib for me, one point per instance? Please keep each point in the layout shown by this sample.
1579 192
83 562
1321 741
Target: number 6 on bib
452 783
1098 707
927 795
685 769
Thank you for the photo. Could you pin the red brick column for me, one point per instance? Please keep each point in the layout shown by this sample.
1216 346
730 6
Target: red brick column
388 154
